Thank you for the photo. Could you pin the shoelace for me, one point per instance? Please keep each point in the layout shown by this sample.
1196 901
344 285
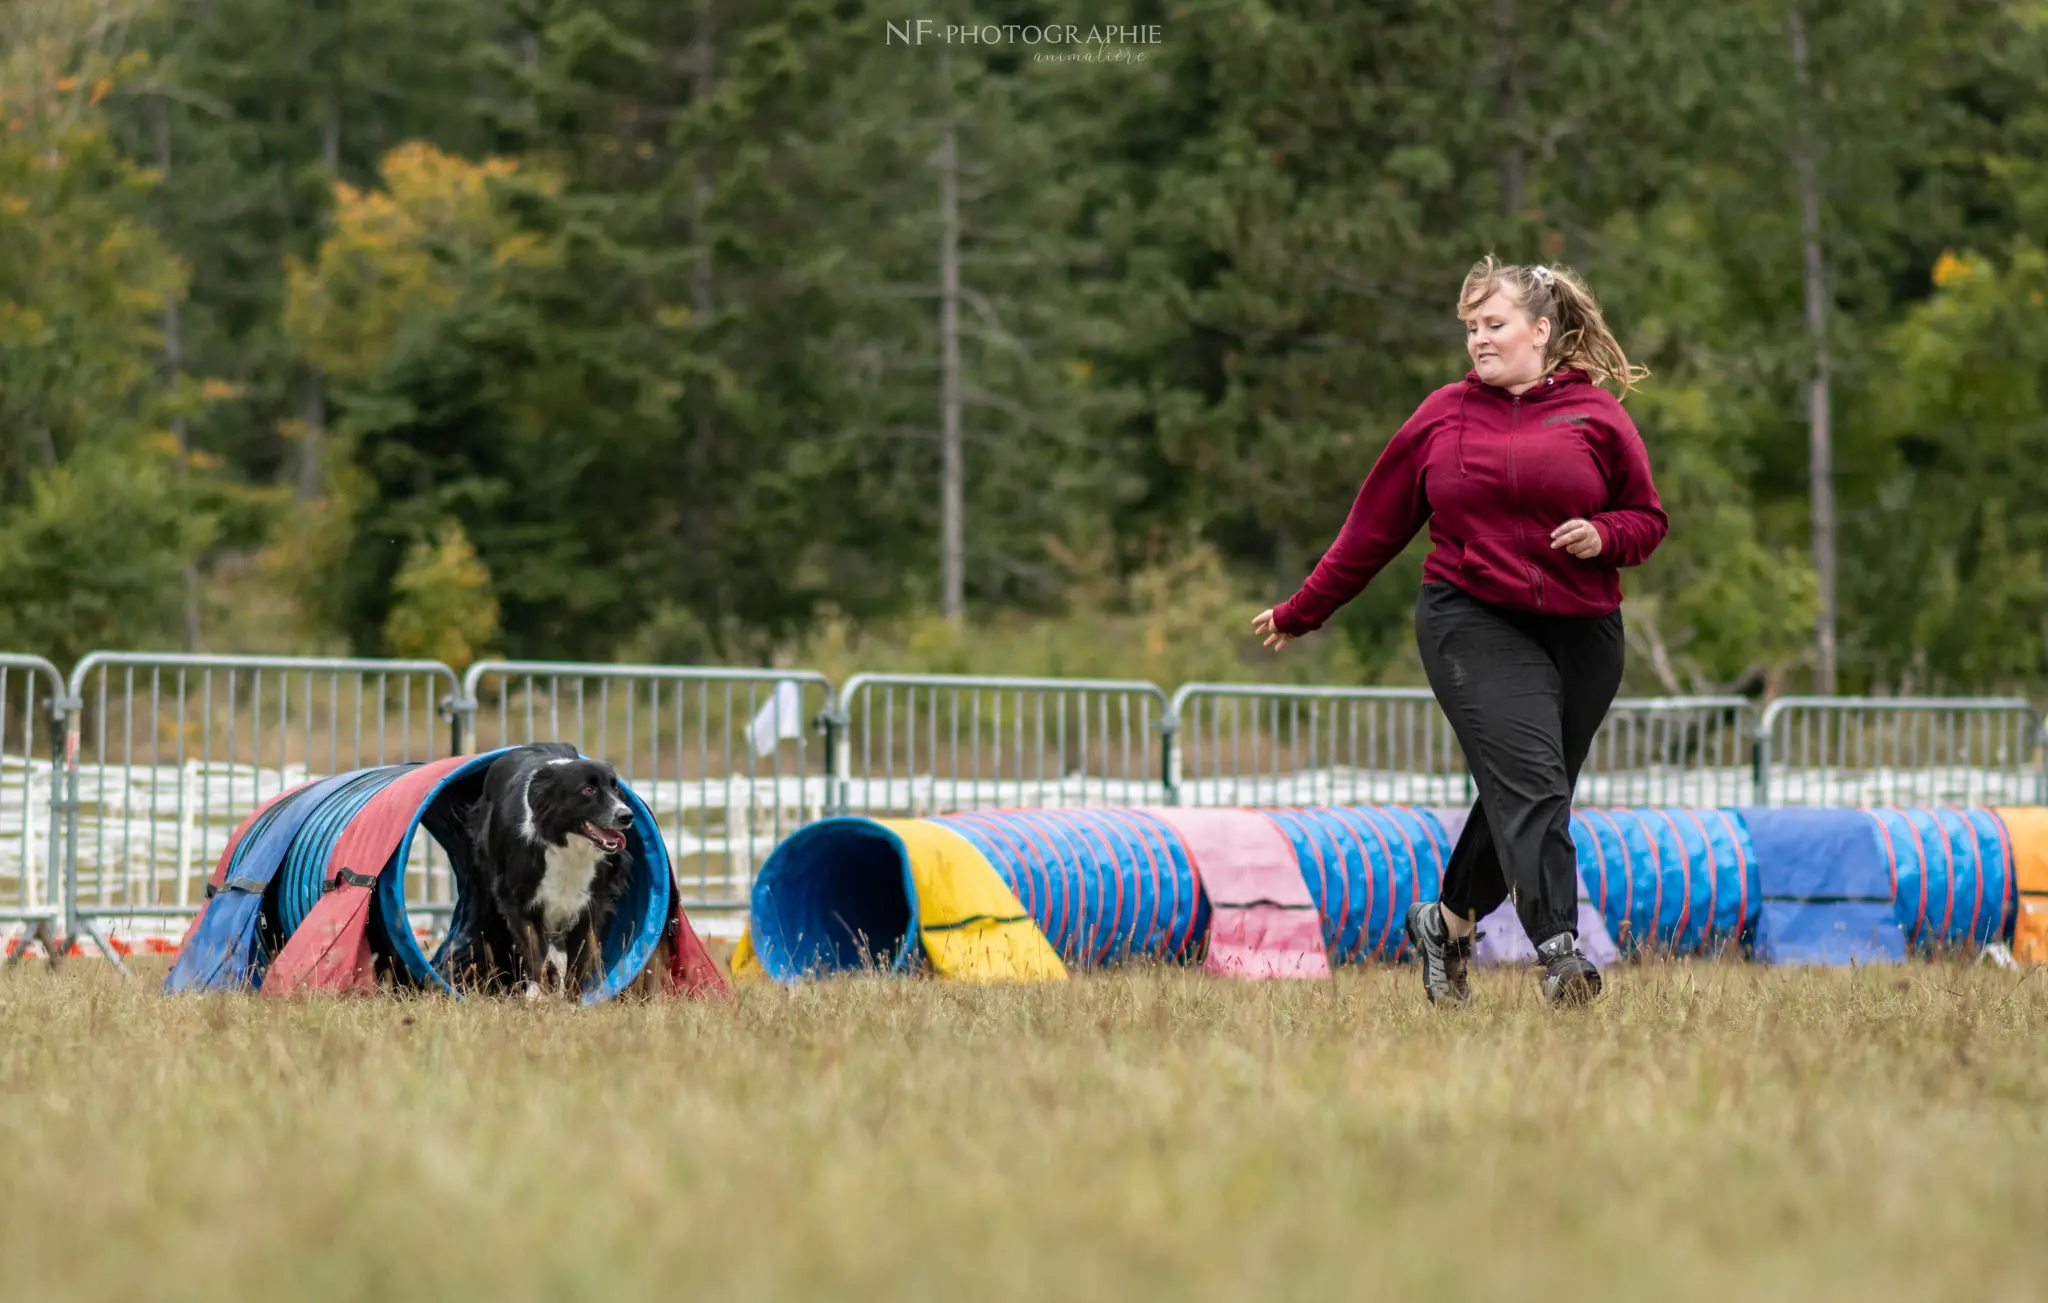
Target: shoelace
1571 961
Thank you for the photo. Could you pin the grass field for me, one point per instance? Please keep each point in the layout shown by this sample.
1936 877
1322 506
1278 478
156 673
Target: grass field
1706 1132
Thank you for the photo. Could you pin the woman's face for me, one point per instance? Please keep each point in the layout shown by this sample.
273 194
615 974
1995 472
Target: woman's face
1506 346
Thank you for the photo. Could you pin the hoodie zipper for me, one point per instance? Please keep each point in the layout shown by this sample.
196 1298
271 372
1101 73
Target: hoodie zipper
1515 490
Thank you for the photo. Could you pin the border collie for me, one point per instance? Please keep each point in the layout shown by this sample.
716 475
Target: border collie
551 864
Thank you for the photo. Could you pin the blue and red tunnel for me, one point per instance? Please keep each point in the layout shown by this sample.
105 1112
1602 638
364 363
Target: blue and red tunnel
1105 886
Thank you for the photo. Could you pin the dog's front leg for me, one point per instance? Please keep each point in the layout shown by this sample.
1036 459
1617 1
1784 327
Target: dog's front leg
557 962
532 960
523 936
587 956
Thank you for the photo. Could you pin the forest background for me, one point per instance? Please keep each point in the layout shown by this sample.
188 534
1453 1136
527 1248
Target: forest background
764 332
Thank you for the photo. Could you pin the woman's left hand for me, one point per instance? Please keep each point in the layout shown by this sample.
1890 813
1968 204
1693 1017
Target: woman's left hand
1577 537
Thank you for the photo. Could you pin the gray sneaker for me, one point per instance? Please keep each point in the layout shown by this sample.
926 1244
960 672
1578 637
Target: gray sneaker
1569 978
1442 960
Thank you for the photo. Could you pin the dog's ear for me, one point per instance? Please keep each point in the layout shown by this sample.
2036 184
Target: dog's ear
551 786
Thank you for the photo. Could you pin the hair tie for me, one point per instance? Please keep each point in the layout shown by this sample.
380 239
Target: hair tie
1541 273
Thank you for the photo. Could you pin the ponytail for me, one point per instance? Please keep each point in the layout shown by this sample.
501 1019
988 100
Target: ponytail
1579 336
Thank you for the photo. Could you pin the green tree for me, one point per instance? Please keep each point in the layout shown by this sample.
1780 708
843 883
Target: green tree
441 603
1964 510
464 393
99 514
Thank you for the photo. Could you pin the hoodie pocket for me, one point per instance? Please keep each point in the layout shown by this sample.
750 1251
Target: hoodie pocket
1497 569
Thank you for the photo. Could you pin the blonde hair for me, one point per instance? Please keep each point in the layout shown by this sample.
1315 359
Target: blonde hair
1579 336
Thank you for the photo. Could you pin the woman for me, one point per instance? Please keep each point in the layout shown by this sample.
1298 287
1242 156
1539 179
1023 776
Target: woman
1537 491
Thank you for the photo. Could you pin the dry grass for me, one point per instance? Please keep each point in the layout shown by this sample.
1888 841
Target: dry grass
1707 1132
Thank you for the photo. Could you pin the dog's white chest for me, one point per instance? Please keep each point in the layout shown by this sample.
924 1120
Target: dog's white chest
565 885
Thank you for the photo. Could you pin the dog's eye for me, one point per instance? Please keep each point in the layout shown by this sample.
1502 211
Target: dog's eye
590 791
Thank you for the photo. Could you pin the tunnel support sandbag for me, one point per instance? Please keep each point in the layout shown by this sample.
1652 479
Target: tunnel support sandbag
223 951
219 877
971 925
330 950
2026 831
746 964
1826 889
690 970
1263 921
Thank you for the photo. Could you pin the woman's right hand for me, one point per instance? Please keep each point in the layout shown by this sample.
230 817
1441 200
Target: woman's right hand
1262 625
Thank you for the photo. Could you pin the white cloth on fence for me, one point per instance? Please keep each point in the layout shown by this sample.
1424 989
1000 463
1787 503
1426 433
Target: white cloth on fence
781 718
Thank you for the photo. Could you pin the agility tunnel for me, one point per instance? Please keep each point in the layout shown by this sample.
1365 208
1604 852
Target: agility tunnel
1027 894
1364 866
309 894
1672 881
1950 872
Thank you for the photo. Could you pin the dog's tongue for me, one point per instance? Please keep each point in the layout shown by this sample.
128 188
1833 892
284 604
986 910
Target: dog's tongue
604 837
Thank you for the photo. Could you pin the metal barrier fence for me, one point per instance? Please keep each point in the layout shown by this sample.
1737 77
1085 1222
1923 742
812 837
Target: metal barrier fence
1244 744
1901 751
32 867
722 757
906 745
167 753
1671 751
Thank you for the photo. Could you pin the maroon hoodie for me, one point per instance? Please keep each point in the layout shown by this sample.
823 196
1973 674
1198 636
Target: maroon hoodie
1493 474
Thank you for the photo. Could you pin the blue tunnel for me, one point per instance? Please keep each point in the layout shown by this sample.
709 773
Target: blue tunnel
835 896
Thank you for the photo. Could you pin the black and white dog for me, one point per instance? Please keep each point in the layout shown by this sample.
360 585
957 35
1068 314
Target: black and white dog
551 864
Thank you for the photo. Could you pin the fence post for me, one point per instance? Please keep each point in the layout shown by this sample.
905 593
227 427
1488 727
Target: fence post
833 723
2041 730
1169 754
1760 760
836 724
59 856
67 711
459 709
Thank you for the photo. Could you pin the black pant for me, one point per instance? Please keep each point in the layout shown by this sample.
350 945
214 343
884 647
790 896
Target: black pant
1525 693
